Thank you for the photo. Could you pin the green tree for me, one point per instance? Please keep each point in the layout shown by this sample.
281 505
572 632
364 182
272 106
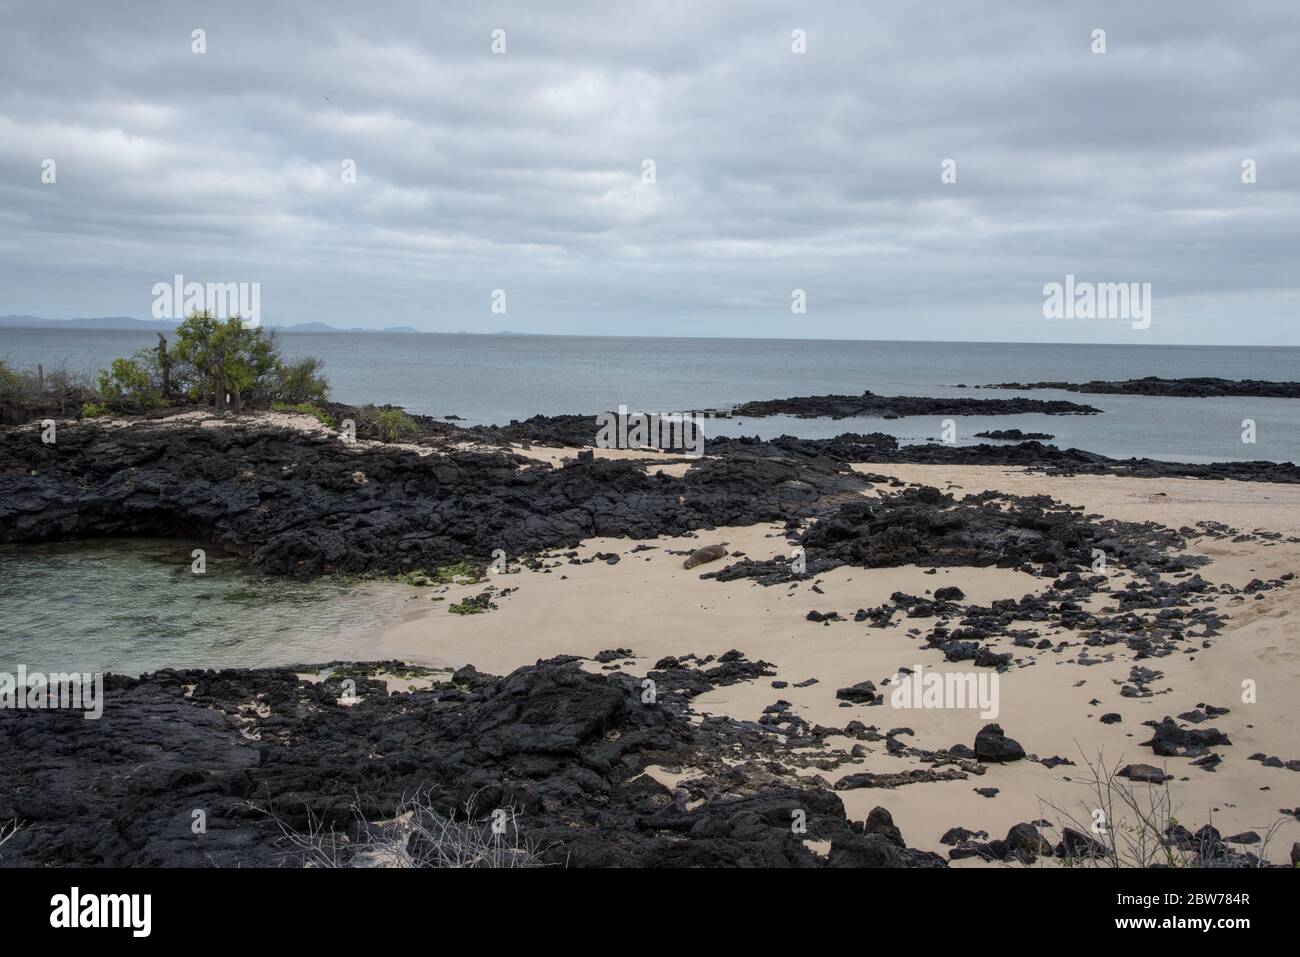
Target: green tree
197 347
226 357
213 358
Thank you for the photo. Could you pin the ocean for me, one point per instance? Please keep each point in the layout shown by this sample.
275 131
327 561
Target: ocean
494 379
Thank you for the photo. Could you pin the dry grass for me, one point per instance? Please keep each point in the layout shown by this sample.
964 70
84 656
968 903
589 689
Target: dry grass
1139 826
418 835
7 831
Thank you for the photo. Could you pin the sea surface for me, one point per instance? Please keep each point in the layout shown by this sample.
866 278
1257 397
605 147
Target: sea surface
494 379
131 606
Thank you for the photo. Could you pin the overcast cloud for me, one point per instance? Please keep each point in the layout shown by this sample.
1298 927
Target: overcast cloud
774 170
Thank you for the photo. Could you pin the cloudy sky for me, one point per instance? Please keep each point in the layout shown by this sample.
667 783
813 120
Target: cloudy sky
773 170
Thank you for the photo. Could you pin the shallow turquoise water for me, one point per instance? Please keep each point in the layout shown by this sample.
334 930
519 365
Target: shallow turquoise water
133 605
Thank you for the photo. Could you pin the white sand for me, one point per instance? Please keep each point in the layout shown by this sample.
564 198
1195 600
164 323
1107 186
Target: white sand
650 604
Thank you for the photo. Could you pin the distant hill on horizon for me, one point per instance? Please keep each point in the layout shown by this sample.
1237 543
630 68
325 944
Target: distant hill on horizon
164 325
101 322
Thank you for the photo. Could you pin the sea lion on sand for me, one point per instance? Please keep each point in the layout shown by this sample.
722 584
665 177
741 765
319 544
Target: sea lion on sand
708 553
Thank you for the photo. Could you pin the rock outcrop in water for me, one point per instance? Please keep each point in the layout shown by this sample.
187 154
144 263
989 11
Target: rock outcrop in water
1015 435
897 406
1201 387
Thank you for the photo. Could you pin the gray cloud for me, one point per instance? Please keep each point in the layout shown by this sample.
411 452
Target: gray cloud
774 170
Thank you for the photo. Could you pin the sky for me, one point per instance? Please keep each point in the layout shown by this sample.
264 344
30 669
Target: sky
774 170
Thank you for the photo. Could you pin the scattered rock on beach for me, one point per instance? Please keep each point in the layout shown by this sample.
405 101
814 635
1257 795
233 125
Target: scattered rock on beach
1171 741
864 692
1144 773
992 745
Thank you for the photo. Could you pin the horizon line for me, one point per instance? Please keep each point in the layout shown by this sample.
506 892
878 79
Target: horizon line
411 330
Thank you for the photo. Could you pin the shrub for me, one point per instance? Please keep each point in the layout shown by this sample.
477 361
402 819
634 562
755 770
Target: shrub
393 424
93 410
13 384
132 385
299 381
25 393
33 384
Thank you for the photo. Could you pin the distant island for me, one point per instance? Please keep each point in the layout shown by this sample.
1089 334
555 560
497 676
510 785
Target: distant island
128 323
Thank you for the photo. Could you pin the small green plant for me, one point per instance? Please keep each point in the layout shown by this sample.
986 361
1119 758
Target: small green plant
305 408
393 424
476 605
93 410
464 572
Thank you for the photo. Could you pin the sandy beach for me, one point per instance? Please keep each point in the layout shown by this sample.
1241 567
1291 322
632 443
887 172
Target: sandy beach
649 605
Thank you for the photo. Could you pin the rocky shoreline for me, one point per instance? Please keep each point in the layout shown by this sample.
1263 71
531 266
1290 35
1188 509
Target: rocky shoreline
570 753
577 431
304 503
299 503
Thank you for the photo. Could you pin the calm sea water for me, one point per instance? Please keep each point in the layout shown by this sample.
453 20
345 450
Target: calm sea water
493 379
134 605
